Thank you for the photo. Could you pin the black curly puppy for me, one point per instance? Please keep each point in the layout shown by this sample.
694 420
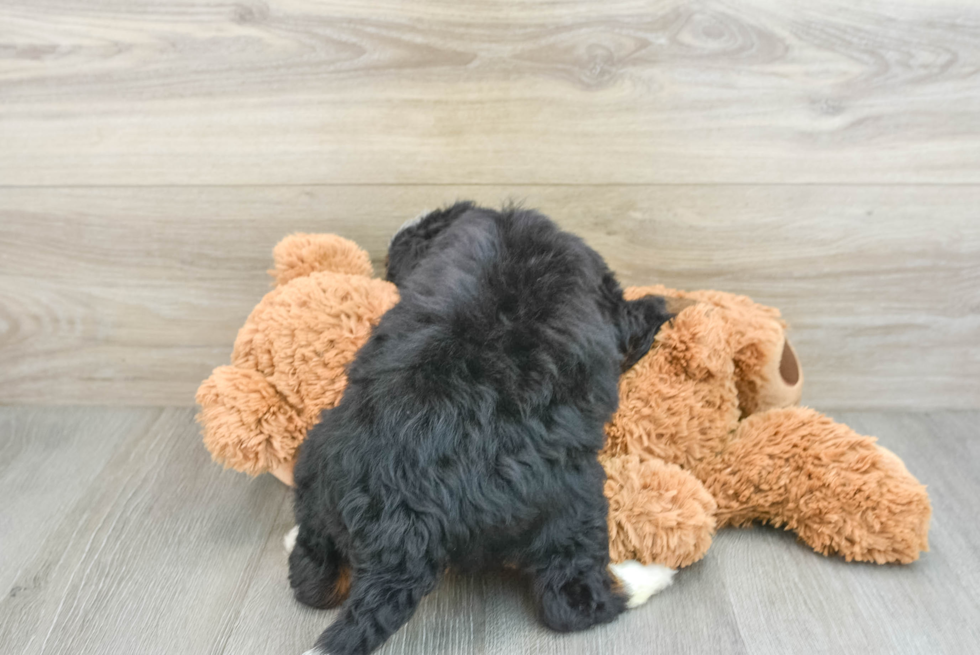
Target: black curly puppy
468 432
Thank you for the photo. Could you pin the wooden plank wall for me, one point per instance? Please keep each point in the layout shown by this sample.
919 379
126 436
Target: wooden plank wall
821 157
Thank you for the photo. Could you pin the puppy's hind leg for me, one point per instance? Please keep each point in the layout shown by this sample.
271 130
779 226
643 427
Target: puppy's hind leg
381 601
577 594
573 586
318 572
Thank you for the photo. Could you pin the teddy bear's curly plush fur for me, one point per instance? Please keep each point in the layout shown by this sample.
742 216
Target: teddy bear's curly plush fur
290 359
706 435
716 397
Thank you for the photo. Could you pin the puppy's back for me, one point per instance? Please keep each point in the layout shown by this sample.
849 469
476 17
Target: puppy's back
508 308
498 367
469 429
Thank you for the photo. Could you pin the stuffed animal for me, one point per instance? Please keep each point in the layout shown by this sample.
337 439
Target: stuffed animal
715 397
705 435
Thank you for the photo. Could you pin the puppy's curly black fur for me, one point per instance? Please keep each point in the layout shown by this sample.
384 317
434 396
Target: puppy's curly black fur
469 429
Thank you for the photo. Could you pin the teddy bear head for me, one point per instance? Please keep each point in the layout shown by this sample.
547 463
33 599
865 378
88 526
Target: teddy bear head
722 358
289 360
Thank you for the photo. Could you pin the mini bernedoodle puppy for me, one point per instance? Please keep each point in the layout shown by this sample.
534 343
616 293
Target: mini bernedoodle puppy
468 432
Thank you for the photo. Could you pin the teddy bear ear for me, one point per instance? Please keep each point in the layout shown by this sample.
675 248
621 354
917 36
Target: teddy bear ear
767 371
777 381
302 254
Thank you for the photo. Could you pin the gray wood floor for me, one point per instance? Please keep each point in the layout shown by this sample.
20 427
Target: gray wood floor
118 535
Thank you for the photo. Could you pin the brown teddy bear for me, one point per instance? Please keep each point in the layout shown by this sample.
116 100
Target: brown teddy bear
705 435
715 397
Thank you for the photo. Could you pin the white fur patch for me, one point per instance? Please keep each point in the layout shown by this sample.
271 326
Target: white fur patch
289 541
409 223
642 581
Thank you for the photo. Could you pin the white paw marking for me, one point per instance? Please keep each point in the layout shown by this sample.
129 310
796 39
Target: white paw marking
289 541
642 581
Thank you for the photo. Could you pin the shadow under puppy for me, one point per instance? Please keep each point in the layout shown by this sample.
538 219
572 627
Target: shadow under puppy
468 432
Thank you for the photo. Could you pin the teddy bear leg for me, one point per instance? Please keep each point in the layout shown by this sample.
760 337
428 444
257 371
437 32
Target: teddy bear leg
658 512
839 491
660 518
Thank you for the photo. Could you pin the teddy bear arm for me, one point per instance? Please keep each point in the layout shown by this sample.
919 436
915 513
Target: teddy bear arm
247 424
838 491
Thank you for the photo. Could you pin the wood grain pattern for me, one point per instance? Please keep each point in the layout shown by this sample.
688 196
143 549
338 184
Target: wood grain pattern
153 557
299 92
451 620
48 459
874 609
126 295
161 552
489 613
